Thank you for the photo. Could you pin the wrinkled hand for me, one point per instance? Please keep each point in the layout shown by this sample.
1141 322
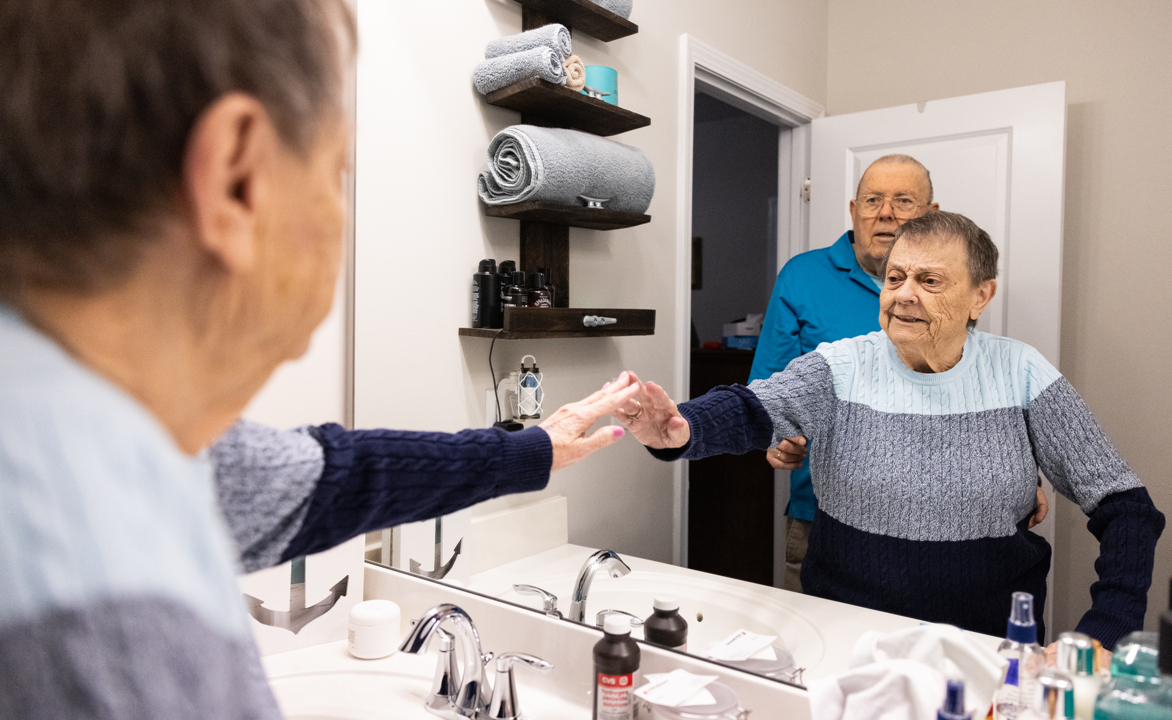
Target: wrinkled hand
788 455
653 418
567 427
1042 511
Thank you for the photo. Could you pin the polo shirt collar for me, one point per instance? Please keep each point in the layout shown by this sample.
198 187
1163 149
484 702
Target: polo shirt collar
842 254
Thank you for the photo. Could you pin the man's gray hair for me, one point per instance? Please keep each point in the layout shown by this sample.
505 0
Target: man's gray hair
981 253
98 97
898 159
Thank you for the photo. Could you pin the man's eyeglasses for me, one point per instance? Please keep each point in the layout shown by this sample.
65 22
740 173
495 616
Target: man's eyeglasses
902 207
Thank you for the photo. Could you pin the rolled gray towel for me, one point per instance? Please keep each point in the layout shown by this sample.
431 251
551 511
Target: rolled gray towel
553 36
505 70
526 162
618 7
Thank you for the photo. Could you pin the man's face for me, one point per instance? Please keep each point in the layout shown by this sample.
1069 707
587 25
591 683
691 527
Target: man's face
302 243
886 184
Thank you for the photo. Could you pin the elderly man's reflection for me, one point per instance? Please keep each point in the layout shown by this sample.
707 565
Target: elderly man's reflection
925 443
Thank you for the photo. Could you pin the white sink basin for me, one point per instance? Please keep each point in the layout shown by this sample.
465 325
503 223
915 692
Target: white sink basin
713 609
325 682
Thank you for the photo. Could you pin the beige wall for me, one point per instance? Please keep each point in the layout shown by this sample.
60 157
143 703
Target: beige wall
1116 309
422 134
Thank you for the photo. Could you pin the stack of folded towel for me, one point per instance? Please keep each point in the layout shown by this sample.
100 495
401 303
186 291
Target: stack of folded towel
526 162
542 52
618 7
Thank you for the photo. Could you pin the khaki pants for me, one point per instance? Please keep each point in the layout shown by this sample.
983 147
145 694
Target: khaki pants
797 537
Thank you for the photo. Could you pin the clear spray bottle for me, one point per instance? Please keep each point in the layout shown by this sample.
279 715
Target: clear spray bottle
1026 659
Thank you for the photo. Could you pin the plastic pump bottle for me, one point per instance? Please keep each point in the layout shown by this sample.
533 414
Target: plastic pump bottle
953 708
1014 698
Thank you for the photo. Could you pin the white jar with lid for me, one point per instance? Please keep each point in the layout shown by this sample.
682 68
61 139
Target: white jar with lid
374 629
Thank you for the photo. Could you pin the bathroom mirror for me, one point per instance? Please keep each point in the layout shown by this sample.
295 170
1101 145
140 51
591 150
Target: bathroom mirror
421 231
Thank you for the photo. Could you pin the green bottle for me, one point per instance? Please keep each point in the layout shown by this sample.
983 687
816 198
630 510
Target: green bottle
1140 687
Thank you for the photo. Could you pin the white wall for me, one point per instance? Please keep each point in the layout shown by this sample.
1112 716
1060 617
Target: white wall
734 176
1116 331
422 135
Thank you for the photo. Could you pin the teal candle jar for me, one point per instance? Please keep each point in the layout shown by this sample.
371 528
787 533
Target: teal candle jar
603 79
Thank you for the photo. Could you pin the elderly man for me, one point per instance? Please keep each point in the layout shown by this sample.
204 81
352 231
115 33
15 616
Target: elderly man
171 214
925 442
833 293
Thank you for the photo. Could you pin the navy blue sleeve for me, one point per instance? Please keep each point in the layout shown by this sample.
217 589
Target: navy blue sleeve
726 420
1127 526
376 479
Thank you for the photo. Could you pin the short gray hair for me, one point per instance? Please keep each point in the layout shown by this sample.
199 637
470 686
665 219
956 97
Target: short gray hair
899 159
98 97
981 253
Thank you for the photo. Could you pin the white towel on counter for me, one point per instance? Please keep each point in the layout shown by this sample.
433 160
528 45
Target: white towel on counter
554 36
499 72
901 676
526 162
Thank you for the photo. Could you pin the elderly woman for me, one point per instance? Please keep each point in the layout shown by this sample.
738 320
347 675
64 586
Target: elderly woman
925 443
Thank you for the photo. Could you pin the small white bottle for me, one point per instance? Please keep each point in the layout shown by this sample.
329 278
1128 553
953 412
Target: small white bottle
1015 696
1076 658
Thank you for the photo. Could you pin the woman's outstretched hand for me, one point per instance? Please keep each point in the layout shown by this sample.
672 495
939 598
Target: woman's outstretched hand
653 418
567 427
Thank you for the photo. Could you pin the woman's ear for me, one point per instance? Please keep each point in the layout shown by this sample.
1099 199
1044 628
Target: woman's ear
227 168
985 293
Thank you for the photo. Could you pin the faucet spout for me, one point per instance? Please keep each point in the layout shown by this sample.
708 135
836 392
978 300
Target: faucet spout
608 559
468 700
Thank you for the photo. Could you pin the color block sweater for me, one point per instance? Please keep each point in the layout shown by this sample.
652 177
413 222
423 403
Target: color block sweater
119 599
926 482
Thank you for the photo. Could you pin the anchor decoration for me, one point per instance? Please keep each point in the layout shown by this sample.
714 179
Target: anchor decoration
441 568
297 616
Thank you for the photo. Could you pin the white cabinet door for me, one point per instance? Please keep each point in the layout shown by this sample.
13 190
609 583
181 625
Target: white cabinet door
996 157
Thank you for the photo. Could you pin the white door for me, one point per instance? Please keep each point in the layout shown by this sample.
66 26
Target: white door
996 157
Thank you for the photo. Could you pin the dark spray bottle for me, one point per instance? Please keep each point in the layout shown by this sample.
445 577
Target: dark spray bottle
486 296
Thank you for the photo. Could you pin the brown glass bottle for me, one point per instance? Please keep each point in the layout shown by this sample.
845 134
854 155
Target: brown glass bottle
665 626
616 664
539 295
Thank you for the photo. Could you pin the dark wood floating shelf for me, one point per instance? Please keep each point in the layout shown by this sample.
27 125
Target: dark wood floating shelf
571 215
585 16
543 103
553 323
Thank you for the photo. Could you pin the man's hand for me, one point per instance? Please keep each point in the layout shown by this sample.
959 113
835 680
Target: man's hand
653 418
567 427
788 455
1042 511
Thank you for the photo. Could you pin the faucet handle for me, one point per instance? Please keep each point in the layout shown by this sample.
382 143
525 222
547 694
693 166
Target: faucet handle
549 601
503 705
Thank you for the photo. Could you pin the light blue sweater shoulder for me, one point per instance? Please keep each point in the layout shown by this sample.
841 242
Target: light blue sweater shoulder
994 372
97 502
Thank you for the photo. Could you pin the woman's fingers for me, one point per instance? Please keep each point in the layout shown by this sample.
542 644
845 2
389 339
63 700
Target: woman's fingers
611 401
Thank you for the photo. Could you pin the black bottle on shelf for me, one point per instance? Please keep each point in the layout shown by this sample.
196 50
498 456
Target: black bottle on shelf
665 626
515 294
486 296
539 295
549 285
505 269
616 663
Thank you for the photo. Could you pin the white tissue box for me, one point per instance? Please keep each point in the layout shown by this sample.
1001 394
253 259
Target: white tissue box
751 325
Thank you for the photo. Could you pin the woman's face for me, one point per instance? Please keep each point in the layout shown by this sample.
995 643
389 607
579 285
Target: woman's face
928 296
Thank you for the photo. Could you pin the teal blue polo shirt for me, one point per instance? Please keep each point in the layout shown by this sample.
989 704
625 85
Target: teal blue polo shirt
821 296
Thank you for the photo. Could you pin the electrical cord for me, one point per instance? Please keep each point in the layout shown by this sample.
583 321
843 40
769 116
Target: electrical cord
495 393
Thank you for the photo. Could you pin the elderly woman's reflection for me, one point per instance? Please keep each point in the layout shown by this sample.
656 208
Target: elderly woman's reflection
925 444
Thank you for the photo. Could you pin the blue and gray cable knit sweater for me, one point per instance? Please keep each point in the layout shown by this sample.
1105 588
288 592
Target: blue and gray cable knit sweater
926 482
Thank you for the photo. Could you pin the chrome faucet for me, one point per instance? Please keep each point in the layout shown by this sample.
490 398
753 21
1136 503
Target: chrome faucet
471 696
603 558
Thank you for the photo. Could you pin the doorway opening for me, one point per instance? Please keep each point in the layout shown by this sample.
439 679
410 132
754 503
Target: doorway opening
734 264
725 87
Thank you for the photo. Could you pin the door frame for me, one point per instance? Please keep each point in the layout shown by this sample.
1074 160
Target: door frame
703 67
